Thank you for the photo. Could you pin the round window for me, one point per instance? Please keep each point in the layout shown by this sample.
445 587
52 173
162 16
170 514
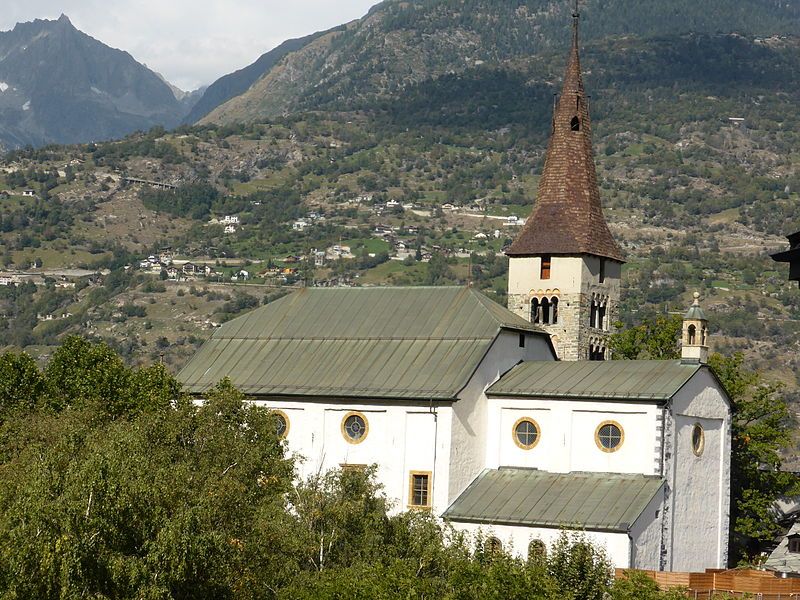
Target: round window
526 433
355 428
609 436
698 439
281 423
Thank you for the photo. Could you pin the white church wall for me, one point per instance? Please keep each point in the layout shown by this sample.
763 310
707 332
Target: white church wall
515 539
470 425
645 535
700 484
567 436
402 438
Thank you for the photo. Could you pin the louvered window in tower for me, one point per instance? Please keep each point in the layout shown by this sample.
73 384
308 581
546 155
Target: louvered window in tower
544 270
575 124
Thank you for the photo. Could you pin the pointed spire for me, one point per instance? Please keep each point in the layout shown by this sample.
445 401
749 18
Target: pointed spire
568 217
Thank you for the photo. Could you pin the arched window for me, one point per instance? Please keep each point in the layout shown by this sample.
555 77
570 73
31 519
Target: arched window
492 546
575 124
593 314
536 315
601 316
692 334
545 311
537 550
554 310
703 336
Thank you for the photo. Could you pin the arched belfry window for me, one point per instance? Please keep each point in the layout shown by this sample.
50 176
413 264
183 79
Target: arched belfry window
554 310
545 311
575 124
536 316
692 335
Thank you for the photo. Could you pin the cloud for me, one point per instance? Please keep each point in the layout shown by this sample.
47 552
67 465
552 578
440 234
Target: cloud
191 42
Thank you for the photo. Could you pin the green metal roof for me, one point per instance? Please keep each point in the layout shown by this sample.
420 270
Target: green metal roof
594 501
654 380
413 342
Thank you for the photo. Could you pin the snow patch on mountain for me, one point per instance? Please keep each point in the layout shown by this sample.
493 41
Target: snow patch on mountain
27 105
3 86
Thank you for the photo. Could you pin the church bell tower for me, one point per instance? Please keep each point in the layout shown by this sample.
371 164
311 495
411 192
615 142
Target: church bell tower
565 266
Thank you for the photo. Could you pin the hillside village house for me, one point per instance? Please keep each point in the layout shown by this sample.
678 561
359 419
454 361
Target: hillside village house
506 421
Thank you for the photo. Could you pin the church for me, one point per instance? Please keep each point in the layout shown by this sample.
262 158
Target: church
511 422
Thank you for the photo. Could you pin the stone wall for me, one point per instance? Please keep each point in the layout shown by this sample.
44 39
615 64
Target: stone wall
572 335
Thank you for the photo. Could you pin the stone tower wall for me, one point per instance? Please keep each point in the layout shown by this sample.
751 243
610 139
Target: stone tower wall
574 281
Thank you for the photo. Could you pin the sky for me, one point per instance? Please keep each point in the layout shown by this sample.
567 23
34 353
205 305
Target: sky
191 42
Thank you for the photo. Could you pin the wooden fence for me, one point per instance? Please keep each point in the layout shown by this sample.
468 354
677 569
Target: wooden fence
758 585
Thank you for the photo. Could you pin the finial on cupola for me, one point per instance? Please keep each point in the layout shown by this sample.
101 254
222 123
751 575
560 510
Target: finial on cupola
694 346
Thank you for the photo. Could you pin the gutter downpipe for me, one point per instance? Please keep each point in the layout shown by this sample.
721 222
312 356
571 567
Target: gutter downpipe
630 549
432 411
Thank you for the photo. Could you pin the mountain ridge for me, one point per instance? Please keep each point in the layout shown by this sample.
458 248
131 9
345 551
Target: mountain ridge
405 43
61 85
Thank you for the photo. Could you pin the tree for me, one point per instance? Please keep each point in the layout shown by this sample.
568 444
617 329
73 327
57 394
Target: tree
655 339
438 270
21 384
82 373
581 571
176 502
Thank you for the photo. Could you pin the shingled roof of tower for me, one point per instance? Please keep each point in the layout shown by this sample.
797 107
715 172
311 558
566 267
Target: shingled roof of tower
568 217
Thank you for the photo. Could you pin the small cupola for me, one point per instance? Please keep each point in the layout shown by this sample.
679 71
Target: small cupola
694 345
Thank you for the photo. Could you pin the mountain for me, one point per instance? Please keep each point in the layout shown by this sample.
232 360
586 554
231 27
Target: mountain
187 99
399 44
236 83
58 85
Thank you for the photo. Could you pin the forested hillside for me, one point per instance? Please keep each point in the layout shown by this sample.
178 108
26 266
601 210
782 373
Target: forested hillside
403 43
695 140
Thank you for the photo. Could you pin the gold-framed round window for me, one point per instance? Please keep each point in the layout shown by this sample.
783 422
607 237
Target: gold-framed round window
609 436
355 427
281 423
526 433
698 439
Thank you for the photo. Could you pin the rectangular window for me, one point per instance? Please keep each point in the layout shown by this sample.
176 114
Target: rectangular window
545 270
602 270
521 340
420 489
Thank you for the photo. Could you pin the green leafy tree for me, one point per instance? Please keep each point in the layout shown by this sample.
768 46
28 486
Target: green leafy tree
183 502
21 383
655 339
581 571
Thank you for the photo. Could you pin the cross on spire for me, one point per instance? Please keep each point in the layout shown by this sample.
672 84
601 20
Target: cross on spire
575 19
